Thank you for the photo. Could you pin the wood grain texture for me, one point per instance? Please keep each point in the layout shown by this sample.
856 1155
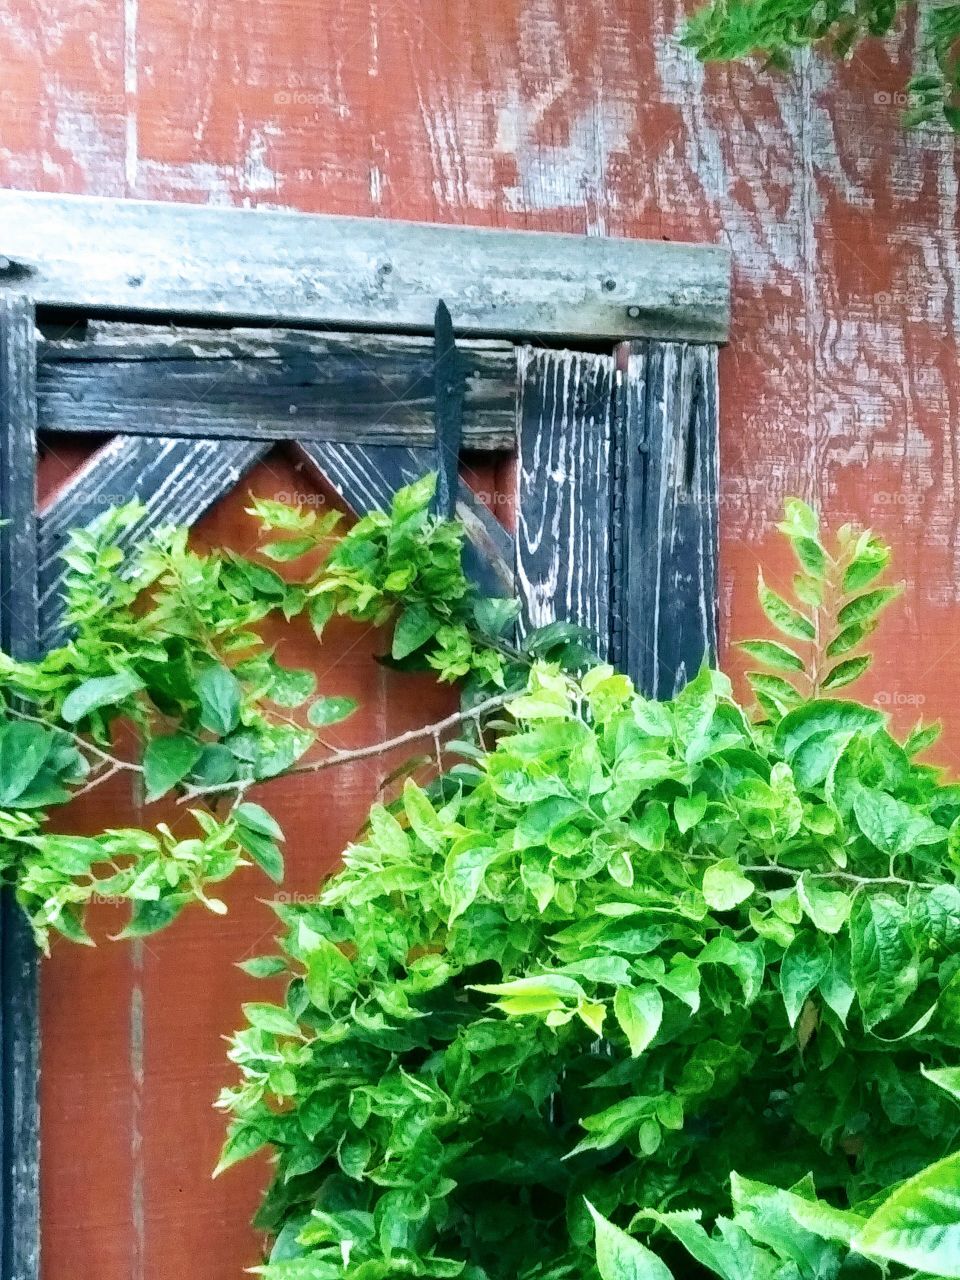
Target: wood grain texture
366 479
564 475
267 384
665 522
176 480
95 254
19 1022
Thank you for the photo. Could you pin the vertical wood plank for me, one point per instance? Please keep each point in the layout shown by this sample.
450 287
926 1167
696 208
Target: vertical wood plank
19 1022
665 551
564 477
449 389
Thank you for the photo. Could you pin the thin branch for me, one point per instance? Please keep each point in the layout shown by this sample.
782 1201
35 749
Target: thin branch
847 876
79 742
364 753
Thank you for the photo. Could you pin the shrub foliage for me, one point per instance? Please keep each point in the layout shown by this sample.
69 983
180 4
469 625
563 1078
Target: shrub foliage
631 986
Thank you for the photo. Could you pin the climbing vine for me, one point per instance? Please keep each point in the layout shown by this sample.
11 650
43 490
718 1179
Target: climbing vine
629 989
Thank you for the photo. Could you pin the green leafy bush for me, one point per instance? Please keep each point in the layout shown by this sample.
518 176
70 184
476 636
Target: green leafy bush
631 987
165 641
726 30
628 949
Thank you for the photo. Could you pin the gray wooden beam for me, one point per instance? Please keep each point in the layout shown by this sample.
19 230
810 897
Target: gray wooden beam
176 480
564 502
19 997
665 545
95 253
267 384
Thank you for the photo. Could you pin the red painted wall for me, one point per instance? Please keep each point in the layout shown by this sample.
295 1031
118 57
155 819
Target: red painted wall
840 382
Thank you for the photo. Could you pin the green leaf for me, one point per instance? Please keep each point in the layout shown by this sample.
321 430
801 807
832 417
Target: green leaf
716 1255
219 692
639 1011
922 737
290 549
494 616
893 826
320 610
243 1140
783 616
804 963
263 966
883 962
919 1224
865 607
725 886
332 710
871 558
844 673
414 498
23 749
946 1078
620 1257
464 871
101 691
773 654
799 520
848 639
263 851
828 909
270 1017
689 810
820 716
167 761
150 916
255 818
415 626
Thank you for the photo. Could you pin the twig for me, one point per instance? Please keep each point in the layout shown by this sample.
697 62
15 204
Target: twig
848 876
79 742
364 753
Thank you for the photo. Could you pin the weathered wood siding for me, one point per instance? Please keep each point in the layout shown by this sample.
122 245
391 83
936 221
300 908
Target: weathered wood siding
840 383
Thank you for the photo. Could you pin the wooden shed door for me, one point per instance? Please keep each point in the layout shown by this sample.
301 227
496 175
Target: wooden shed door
586 482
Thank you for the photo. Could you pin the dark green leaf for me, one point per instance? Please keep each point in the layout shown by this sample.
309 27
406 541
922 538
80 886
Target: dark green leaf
167 761
219 692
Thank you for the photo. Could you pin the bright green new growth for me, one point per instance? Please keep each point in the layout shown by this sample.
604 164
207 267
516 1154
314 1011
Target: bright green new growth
628 949
726 30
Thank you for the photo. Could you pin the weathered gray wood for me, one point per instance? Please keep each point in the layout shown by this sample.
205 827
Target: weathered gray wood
19 1011
95 253
665 554
367 479
267 384
176 480
449 388
565 477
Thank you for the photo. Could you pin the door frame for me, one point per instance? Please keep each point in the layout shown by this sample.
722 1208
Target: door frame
616 440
